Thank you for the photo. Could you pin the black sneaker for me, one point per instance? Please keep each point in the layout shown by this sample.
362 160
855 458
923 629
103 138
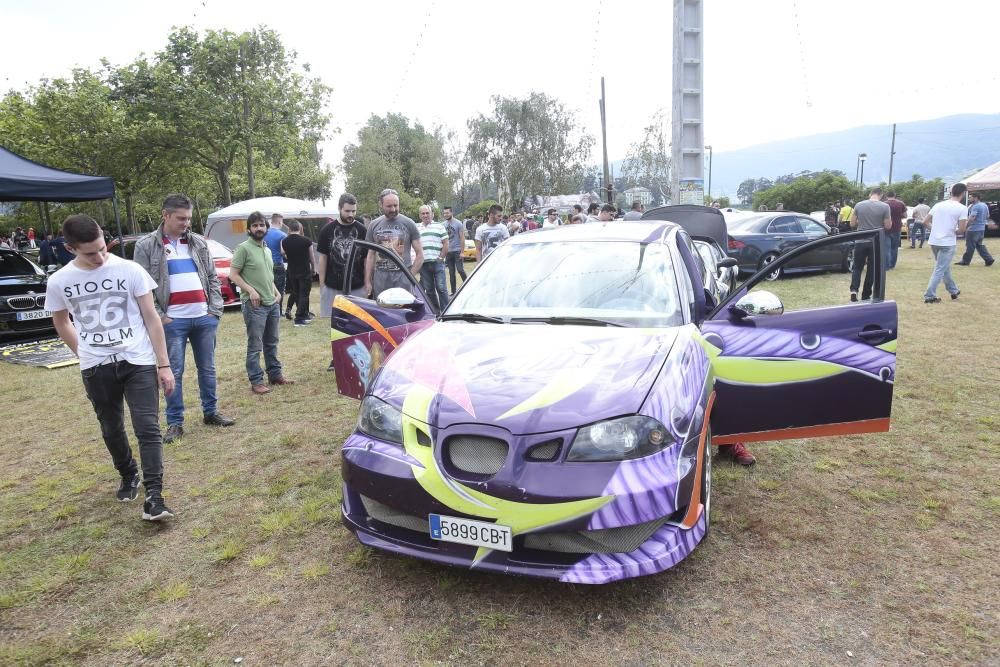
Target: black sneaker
990 263
288 314
302 323
174 431
331 367
129 489
854 297
155 510
954 297
216 419
961 263
932 299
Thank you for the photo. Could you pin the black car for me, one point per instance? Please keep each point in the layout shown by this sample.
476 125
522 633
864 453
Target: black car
22 295
757 241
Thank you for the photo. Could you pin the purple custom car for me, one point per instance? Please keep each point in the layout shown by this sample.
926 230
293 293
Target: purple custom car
556 420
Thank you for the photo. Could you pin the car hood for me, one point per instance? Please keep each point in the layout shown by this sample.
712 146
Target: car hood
14 285
526 378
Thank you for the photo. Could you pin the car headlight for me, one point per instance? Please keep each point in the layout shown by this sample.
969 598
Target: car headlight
619 439
380 420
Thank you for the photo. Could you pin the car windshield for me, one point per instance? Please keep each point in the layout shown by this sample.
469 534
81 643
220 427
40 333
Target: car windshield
12 264
625 283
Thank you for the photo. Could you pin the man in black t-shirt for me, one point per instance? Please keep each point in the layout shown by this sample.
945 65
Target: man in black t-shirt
297 251
332 251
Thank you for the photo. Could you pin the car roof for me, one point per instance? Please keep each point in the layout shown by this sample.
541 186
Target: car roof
613 230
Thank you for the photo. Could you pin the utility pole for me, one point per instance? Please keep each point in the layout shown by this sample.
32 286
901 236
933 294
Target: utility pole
892 152
687 156
604 142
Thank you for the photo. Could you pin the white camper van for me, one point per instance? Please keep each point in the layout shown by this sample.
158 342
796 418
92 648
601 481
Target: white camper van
228 226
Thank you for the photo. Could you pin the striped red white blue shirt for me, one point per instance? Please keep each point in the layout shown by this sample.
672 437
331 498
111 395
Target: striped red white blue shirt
187 294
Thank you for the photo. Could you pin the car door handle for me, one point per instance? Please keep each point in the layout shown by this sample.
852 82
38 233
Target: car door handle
874 333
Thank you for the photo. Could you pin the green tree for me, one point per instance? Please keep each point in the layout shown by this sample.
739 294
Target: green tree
81 125
528 147
912 190
809 192
647 163
227 98
751 186
390 153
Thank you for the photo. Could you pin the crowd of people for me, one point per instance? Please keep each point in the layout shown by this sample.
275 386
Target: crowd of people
887 213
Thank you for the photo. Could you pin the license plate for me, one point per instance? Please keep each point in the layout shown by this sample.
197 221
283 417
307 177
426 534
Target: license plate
473 533
34 315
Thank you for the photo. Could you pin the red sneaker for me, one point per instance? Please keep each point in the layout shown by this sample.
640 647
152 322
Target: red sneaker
738 453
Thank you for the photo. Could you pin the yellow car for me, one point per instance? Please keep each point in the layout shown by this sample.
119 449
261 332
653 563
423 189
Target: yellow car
469 254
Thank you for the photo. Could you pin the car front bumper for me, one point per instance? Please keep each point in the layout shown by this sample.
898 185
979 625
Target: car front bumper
637 532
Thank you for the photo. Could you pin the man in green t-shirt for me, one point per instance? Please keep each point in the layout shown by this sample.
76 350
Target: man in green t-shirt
252 269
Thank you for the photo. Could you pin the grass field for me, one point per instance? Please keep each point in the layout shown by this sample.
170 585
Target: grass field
869 550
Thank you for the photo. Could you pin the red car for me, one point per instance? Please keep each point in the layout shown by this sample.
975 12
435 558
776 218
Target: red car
221 255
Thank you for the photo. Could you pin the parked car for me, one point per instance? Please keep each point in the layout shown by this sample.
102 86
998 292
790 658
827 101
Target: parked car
221 255
557 419
707 227
469 252
720 273
757 241
22 295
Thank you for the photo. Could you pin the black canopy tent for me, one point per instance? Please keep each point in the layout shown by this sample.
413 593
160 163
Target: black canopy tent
24 180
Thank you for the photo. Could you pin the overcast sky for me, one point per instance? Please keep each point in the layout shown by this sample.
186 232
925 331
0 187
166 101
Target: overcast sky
774 69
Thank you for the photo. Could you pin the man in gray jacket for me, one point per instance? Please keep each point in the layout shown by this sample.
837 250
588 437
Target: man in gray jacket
188 299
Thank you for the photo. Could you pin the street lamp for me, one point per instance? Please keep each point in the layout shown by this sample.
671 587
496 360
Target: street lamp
859 173
709 149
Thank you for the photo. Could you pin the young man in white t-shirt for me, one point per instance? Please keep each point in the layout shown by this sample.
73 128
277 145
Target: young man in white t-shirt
943 220
118 337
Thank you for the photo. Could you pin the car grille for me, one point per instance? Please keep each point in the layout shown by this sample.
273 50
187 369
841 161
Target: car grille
394 517
608 540
25 302
546 451
476 454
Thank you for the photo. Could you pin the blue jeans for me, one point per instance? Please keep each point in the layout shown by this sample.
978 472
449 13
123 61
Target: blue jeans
110 387
943 254
973 243
891 249
262 335
432 280
917 226
201 332
455 263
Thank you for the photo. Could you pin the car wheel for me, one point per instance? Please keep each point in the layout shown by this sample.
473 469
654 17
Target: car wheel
768 259
706 480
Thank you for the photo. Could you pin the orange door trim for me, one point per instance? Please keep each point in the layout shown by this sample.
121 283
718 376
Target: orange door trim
843 428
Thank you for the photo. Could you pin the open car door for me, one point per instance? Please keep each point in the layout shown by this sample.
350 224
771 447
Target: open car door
824 369
364 331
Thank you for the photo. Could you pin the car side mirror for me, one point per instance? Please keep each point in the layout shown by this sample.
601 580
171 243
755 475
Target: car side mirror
396 297
727 262
760 302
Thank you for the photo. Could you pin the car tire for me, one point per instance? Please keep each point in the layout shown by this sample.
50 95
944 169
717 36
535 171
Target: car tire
767 259
706 480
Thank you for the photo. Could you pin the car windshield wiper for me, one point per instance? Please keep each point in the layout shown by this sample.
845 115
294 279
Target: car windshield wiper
559 319
472 317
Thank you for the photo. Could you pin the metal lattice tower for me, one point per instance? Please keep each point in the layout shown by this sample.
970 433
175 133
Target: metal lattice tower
687 176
